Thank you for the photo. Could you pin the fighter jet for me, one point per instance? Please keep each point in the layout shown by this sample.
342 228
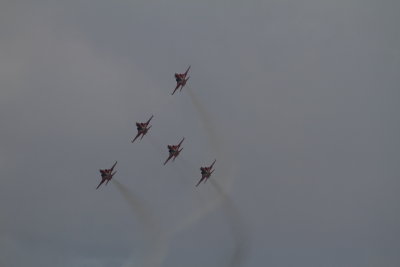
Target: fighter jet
206 173
181 80
107 175
142 128
174 151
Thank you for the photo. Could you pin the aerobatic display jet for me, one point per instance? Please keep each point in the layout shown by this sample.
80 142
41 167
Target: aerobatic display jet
142 128
206 173
174 151
181 80
107 175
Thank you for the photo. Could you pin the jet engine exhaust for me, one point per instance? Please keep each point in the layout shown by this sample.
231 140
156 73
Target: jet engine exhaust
234 220
145 218
230 211
162 244
137 207
206 120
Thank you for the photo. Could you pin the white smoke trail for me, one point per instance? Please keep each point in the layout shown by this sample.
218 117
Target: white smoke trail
237 228
161 248
233 218
145 218
206 120
162 244
137 207
231 212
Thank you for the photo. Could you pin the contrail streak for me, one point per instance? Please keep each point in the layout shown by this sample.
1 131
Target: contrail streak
236 225
144 216
137 207
162 244
232 216
231 212
206 120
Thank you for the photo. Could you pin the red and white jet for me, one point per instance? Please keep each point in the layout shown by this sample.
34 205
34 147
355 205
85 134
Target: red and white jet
174 151
181 80
206 173
142 128
107 175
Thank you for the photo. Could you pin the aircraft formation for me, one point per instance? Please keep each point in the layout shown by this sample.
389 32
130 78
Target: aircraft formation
173 150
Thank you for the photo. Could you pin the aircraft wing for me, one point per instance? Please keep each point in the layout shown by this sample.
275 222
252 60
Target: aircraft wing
170 156
177 154
110 177
102 181
201 180
138 134
112 168
176 88
149 119
145 132
212 164
180 143
186 72
184 83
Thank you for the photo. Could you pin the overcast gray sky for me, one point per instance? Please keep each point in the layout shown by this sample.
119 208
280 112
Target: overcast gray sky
297 100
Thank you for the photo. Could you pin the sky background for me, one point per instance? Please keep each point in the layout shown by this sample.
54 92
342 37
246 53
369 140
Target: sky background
297 100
